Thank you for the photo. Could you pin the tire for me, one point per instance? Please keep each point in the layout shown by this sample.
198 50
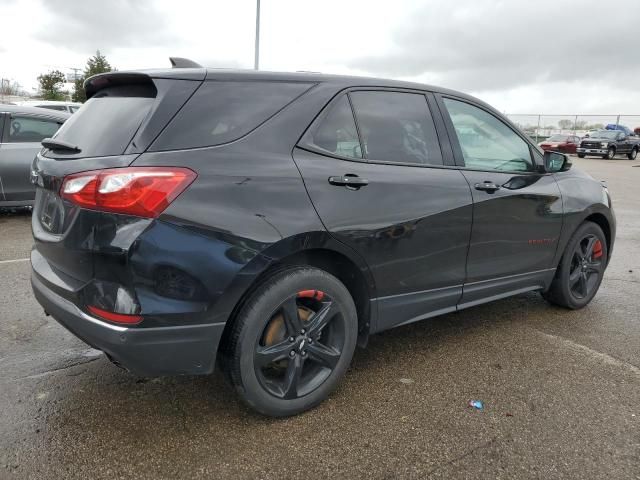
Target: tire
610 153
632 154
581 155
566 290
273 372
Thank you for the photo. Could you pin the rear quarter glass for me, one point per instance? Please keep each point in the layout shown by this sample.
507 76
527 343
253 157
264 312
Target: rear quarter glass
108 121
221 112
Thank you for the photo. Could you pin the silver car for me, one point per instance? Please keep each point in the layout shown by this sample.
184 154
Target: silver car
71 107
22 129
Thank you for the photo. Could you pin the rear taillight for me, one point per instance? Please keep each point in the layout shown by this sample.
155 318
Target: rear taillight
115 317
139 191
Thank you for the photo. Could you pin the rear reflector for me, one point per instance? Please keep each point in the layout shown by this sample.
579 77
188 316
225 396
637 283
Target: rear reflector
139 191
115 317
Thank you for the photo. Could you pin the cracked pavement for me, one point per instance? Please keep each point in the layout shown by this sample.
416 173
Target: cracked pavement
561 392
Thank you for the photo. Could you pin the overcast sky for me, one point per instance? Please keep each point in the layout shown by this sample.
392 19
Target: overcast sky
522 56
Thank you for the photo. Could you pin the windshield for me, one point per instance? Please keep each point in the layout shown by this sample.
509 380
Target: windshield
557 138
611 134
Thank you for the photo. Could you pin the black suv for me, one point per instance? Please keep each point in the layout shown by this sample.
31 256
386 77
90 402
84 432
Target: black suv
609 143
273 221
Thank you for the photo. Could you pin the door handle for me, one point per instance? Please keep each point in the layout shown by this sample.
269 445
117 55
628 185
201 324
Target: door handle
349 181
487 186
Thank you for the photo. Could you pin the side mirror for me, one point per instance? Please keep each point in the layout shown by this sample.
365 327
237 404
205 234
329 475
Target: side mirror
556 162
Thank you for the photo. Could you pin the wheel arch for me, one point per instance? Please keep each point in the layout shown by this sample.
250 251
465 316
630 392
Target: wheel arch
602 221
317 249
594 215
344 269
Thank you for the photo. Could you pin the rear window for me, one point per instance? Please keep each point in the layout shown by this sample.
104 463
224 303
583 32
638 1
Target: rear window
108 121
220 112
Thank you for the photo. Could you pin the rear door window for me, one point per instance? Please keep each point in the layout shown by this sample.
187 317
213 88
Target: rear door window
220 112
24 129
396 127
336 133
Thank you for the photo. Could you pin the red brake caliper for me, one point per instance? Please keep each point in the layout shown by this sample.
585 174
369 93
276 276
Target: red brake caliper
597 249
317 294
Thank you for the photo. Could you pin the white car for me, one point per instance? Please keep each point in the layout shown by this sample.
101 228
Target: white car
69 107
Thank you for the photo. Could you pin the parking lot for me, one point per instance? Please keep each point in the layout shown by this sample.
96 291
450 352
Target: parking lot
561 391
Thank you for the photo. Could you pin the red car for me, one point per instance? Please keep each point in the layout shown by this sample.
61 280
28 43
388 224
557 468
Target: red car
561 143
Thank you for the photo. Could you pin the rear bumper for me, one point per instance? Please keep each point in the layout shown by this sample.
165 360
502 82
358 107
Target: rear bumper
189 349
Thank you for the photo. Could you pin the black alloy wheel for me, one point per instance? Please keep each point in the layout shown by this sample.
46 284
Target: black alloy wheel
292 341
300 346
579 274
586 267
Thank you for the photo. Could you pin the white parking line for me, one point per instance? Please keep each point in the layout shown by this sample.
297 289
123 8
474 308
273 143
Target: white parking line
15 260
596 355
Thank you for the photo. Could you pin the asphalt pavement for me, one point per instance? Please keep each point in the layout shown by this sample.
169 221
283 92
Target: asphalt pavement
561 391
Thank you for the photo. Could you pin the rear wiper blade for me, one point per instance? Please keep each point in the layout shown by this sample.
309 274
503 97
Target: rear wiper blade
54 144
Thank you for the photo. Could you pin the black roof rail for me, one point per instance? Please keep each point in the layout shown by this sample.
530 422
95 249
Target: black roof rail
179 62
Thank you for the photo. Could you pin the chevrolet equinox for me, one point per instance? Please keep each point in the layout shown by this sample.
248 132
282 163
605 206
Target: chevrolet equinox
270 222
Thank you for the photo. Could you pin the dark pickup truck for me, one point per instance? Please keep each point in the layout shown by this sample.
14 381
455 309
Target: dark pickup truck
608 144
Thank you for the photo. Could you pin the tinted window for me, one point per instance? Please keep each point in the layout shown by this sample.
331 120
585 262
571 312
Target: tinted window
486 142
396 127
220 112
108 121
336 132
60 108
30 129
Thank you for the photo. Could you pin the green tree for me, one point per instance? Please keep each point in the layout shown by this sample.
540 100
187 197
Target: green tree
565 124
51 85
96 64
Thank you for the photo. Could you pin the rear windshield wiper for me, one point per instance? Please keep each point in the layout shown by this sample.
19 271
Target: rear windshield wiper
54 144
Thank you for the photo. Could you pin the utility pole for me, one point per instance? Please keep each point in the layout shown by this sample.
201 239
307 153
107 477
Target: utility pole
75 72
256 62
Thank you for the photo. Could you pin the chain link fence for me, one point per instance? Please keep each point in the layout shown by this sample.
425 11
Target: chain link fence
540 126
14 99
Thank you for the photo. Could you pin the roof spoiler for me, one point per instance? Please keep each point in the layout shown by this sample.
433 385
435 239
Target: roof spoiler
111 79
179 62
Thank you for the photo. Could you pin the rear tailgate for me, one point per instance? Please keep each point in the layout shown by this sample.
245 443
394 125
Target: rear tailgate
125 113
